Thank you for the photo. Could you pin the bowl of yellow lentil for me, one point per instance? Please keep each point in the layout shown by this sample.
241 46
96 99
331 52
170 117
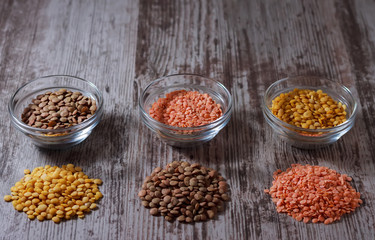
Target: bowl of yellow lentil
309 112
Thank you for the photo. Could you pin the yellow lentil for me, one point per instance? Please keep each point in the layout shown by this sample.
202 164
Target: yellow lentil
27 194
93 206
59 212
56 219
8 198
19 207
55 193
98 181
309 109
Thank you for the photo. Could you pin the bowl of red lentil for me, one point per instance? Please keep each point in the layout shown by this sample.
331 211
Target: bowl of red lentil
185 109
56 111
309 112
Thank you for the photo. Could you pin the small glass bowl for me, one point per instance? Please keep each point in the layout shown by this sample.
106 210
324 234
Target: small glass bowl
309 138
55 138
189 136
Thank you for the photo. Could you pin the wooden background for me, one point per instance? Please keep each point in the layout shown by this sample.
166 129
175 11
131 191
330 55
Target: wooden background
123 45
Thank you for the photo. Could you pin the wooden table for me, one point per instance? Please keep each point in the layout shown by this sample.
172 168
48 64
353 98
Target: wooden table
247 45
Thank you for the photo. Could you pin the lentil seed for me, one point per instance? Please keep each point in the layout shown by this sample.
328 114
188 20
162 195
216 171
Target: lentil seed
142 193
154 211
8 198
181 218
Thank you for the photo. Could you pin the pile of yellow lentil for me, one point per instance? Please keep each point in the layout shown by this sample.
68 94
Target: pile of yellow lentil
55 193
309 109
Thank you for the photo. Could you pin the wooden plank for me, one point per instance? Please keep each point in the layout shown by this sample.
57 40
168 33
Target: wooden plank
122 45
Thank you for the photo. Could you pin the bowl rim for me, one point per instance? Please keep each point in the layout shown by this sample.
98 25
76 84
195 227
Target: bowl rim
72 129
280 122
225 115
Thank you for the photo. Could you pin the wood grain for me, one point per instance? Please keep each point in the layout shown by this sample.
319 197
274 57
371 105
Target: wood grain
122 45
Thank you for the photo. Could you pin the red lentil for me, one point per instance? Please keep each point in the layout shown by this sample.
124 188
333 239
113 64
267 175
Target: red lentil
183 108
313 193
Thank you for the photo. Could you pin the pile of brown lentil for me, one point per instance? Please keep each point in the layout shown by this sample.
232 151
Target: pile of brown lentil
60 109
188 192
308 109
55 193
186 109
313 193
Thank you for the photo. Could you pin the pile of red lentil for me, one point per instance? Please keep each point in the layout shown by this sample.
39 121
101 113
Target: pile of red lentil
183 108
313 193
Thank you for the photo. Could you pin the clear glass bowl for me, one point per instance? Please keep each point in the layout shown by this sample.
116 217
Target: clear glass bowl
189 136
55 138
309 138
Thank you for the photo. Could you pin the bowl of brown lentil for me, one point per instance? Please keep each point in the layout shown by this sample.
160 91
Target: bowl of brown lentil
185 109
56 111
309 112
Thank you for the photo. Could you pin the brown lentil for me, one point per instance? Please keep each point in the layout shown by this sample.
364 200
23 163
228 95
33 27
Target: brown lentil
55 193
60 109
308 109
183 200
313 193
185 109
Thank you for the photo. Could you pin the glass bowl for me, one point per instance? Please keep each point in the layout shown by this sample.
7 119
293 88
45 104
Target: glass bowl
54 138
309 138
185 136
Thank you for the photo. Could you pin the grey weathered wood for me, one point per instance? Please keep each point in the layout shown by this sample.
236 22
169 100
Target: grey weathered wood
122 45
